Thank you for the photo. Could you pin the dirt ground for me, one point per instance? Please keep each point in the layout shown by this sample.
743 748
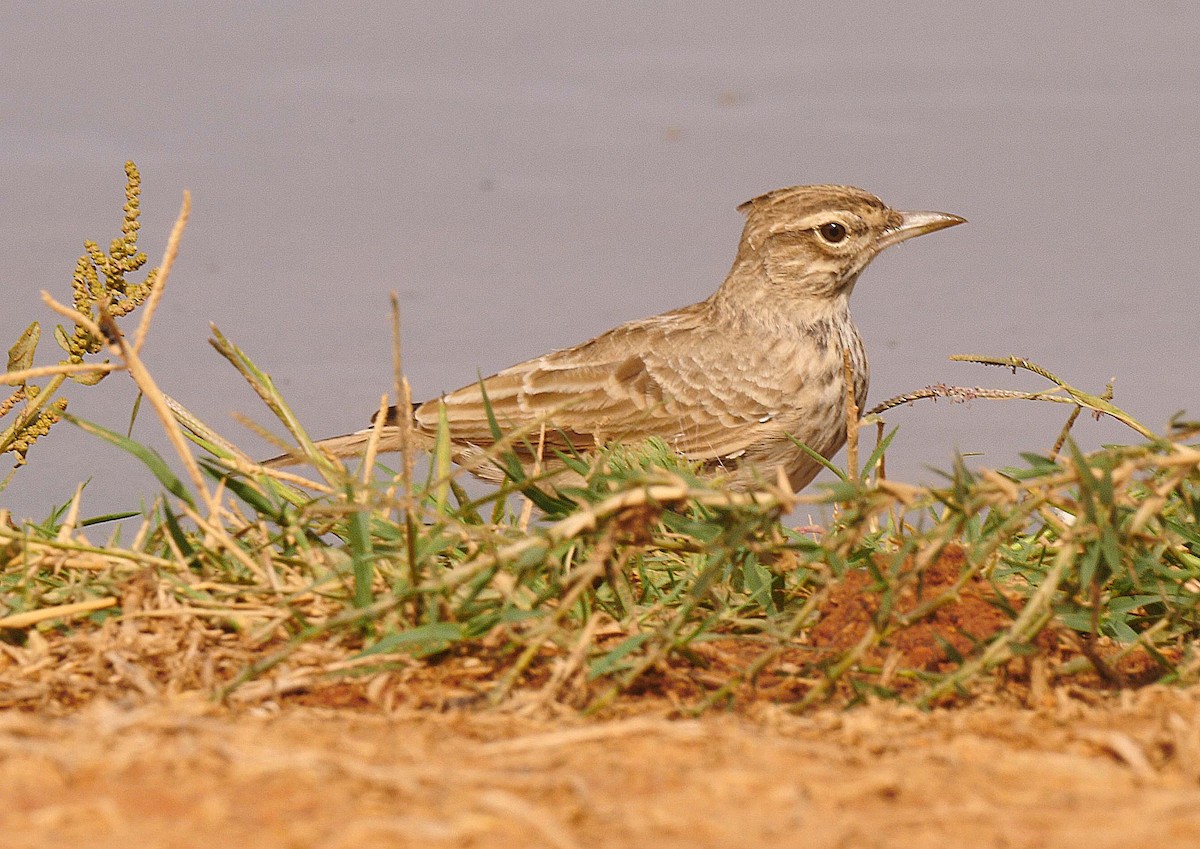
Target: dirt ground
109 737
1106 770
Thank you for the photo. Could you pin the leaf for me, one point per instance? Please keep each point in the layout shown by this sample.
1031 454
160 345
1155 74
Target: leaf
1119 631
1088 563
513 469
758 578
109 517
1110 548
611 661
1039 466
467 510
1077 619
952 654
262 385
421 641
88 378
151 458
877 454
362 555
20 355
1125 604
1087 481
1039 462
680 524
177 534
245 492
60 336
820 458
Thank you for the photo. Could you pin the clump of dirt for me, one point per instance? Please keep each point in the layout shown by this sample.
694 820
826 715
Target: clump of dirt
936 642
966 620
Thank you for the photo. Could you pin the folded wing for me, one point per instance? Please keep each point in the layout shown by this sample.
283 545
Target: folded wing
664 379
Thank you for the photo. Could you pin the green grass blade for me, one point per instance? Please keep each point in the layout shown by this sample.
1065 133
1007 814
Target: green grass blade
151 458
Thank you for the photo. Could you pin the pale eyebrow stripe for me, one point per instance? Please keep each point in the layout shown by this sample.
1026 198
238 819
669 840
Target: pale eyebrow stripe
812 220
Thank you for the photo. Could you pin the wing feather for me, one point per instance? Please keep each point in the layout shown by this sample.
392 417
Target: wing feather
640 380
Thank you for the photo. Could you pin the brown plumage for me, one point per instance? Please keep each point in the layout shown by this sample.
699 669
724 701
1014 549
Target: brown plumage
728 381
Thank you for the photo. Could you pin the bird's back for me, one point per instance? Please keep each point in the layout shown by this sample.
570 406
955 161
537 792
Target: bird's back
730 394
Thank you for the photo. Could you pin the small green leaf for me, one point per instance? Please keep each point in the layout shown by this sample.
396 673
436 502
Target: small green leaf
88 378
177 534
1088 563
820 458
362 555
151 458
758 582
1110 547
20 355
1119 631
109 517
873 460
421 641
1122 606
244 491
60 336
952 654
611 660
1076 619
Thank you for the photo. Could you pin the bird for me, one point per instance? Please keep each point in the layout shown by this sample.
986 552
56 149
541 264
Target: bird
733 382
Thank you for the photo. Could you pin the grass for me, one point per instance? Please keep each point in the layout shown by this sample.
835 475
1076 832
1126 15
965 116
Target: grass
647 578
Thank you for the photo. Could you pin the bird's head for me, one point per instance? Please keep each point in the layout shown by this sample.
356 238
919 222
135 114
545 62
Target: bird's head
816 240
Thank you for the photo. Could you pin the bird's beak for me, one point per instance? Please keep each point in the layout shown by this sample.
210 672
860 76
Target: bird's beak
917 224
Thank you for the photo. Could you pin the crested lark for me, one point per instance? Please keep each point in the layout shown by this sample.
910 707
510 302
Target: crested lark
733 381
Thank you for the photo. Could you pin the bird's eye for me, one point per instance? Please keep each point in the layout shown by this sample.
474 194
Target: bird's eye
832 232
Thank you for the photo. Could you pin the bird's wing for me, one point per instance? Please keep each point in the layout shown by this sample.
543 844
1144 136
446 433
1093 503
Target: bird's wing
663 377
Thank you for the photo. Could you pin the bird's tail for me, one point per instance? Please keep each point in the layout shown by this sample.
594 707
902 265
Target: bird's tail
346 445
351 444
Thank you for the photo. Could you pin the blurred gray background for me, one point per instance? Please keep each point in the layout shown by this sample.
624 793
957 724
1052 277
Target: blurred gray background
526 175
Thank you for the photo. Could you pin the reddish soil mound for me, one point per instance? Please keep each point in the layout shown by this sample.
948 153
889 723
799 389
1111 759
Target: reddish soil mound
934 643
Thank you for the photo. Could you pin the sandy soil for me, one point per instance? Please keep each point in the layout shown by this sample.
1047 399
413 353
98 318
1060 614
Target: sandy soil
1108 771
109 737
